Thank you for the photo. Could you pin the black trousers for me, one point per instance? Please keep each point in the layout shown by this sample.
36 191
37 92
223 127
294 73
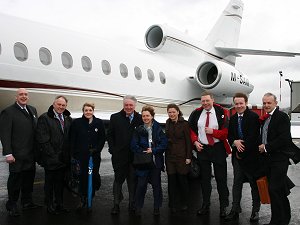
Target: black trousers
238 181
215 155
54 186
178 189
154 178
121 174
20 182
280 205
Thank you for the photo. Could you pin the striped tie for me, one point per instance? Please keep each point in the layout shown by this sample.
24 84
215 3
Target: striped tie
265 130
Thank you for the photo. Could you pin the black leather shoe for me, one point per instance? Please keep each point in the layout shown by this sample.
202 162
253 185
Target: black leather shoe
14 212
184 208
232 216
254 217
156 212
30 205
131 208
61 209
51 210
138 212
173 210
203 211
223 213
115 210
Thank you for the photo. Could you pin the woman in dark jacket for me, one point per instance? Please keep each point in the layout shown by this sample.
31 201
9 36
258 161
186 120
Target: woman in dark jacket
87 138
149 138
178 158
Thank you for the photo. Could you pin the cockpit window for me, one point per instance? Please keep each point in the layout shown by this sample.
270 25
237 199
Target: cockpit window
137 73
45 56
150 74
162 77
67 60
123 70
21 52
106 67
86 63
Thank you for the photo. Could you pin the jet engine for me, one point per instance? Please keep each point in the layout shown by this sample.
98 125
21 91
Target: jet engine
157 35
222 79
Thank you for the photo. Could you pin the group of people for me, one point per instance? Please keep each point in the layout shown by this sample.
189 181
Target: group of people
53 139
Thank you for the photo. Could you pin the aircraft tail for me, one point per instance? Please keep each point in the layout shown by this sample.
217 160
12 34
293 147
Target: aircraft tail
225 32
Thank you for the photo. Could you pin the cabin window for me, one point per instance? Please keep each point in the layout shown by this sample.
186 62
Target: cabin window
162 77
150 75
21 52
106 67
123 70
67 60
137 73
86 63
45 56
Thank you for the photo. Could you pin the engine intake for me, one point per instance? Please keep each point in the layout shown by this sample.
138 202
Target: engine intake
222 79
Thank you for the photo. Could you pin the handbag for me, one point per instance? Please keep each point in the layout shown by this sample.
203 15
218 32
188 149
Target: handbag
263 189
143 161
194 171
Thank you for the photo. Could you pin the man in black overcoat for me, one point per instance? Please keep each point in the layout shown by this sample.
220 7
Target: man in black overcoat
17 132
275 140
119 135
243 136
52 136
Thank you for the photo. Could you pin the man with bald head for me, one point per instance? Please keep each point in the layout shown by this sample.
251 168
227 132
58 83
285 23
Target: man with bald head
17 129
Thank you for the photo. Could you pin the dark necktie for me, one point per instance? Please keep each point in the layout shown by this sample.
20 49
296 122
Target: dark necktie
240 131
265 129
209 137
62 122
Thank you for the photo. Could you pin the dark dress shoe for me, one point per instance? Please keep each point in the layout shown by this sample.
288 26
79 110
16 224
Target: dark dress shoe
254 217
156 212
223 213
30 205
61 209
51 210
14 212
184 208
203 211
138 212
232 216
115 210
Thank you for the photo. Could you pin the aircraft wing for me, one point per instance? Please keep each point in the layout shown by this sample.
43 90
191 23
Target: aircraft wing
243 51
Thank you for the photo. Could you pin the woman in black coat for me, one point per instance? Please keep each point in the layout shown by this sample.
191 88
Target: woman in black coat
87 137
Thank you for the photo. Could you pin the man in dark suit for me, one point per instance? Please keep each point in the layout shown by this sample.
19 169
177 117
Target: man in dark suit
17 129
53 139
275 139
243 136
119 135
209 129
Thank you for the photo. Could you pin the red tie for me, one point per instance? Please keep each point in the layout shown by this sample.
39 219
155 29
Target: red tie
209 137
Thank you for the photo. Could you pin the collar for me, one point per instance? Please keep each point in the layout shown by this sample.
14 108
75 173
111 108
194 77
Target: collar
271 113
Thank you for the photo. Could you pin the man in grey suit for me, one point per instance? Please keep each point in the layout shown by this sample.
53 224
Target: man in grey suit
17 129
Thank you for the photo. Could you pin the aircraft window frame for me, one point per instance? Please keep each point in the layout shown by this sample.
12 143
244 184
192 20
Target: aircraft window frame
150 75
67 60
20 51
106 68
162 78
138 73
86 63
45 56
123 70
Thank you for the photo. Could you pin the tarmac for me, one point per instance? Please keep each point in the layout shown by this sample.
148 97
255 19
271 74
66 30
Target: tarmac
102 203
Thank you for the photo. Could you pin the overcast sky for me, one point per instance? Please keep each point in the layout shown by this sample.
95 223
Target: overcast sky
266 24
